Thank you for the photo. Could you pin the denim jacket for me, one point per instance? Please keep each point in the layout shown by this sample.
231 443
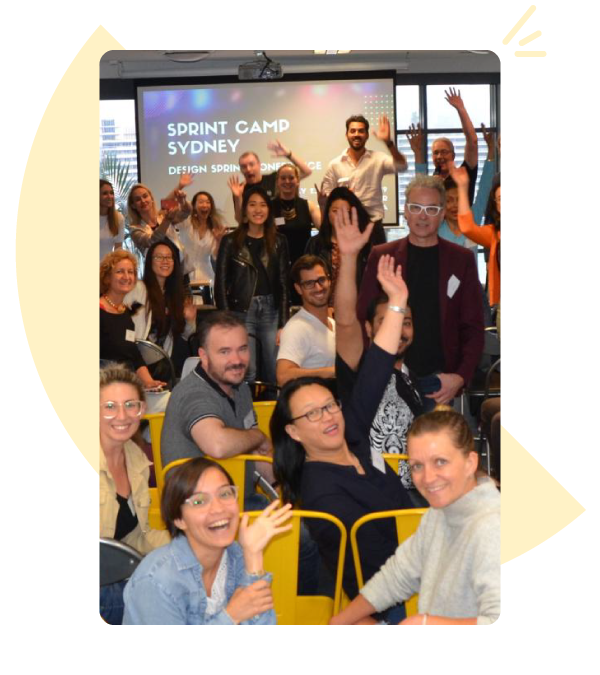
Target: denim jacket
167 588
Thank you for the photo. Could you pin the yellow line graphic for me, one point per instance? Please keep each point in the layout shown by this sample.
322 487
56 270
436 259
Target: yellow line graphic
530 53
530 38
518 25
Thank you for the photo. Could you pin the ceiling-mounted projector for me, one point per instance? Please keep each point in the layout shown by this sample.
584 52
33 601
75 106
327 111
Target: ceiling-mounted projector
262 69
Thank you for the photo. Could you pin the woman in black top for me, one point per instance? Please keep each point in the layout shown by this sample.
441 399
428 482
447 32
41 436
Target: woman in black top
322 458
118 271
252 279
324 244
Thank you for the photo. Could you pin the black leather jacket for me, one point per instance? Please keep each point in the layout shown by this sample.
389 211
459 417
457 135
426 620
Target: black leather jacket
236 276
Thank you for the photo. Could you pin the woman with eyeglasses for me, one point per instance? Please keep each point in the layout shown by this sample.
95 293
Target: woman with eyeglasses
205 577
322 455
162 313
124 473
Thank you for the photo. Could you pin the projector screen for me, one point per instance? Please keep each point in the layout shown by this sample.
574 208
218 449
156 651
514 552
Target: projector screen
204 129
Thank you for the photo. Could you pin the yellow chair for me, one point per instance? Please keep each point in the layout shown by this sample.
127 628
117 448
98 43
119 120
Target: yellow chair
156 421
154 517
235 466
281 559
394 460
264 411
407 522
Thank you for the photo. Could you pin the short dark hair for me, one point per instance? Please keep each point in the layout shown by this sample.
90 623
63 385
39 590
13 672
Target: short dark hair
381 299
223 318
180 484
357 118
289 455
307 262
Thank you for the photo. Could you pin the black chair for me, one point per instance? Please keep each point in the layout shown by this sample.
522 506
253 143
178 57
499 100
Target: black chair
117 561
158 361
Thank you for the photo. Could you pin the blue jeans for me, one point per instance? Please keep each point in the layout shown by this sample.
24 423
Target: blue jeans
111 603
262 320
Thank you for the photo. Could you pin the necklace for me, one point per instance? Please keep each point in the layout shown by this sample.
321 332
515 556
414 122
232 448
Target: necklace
120 308
288 209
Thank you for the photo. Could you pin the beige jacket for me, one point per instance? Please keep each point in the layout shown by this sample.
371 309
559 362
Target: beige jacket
142 538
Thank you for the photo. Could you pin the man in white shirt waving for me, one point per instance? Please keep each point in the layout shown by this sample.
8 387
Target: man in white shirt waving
362 170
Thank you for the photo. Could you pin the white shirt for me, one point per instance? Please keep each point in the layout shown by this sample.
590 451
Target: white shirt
365 178
307 342
196 252
107 239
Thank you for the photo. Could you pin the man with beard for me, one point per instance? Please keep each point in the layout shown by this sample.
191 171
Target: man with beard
362 170
210 411
307 344
401 401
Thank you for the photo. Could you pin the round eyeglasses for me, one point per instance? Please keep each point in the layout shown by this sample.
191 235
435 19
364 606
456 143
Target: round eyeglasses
227 493
110 409
315 414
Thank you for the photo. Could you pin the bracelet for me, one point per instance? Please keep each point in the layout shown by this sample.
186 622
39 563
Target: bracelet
389 143
398 310
258 573
424 622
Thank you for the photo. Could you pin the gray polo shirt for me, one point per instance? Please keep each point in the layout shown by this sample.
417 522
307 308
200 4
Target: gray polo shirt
195 398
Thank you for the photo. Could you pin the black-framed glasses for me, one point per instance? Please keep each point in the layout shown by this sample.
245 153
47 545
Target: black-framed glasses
315 414
311 283
416 209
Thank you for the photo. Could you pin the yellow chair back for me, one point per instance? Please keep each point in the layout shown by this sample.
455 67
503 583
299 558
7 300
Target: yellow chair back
156 421
407 523
235 466
281 559
394 460
264 411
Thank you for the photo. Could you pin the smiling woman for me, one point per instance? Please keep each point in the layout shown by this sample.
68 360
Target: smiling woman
204 576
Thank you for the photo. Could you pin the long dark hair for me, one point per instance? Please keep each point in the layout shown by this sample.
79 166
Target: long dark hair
111 216
492 215
167 307
214 220
288 454
239 236
326 229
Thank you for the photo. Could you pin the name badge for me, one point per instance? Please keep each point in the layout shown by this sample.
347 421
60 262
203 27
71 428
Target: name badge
453 284
280 221
130 335
377 460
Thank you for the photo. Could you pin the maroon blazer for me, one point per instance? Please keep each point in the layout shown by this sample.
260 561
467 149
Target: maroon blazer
462 315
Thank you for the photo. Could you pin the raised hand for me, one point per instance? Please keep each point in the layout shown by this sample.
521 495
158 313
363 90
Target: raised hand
190 310
321 196
390 278
383 130
185 180
416 138
253 538
236 187
350 239
278 149
249 601
454 98
458 174
488 136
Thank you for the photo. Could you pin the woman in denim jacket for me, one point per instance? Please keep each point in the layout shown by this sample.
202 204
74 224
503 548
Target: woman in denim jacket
203 576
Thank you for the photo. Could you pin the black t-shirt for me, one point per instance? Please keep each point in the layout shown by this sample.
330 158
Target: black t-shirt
267 183
126 520
256 247
114 345
426 355
297 226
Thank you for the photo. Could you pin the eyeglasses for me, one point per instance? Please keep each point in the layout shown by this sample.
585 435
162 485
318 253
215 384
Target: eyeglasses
161 258
442 153
227 493
416 209
315 414
110 409
311 283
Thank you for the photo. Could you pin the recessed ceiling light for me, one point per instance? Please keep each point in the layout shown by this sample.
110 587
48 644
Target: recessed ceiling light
332 51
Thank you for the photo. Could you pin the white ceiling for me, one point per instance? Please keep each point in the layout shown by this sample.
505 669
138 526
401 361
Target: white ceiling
129 64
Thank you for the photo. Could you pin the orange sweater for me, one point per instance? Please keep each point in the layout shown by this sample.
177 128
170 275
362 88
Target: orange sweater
487 236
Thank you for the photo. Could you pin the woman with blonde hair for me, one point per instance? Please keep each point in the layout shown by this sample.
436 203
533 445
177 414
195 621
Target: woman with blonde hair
111 221
124 473
118 273
453 560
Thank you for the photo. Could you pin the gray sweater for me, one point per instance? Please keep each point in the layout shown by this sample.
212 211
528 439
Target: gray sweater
452 561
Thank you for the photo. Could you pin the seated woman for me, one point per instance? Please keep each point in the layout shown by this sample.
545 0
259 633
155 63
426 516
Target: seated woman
324 243
322 458
118 272
161 311
200 236
204 576
453 560
124 473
